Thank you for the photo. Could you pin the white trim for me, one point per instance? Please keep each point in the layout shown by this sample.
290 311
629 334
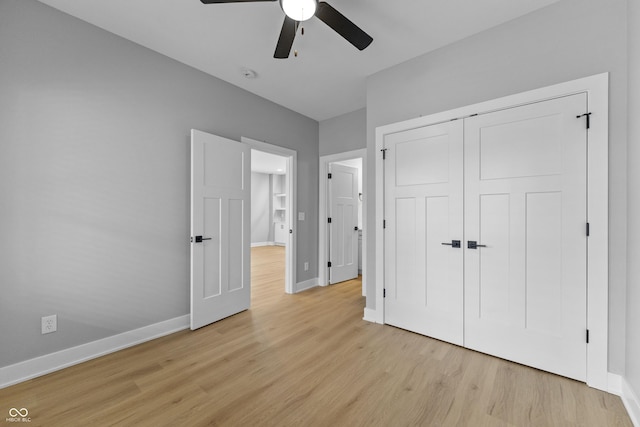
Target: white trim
259 244
307 284
619 386
631 402
292 204
23 371
323 233
598 217
370 315
598 206
614 384
378 297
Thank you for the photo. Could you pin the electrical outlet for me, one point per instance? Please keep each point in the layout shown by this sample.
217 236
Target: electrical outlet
306 266
49 324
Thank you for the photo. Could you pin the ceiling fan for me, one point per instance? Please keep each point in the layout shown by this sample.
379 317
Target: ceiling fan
297 11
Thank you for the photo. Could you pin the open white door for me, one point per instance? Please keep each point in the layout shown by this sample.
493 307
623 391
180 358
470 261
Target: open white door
220 228
343 226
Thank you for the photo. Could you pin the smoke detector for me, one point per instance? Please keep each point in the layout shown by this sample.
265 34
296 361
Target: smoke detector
248 73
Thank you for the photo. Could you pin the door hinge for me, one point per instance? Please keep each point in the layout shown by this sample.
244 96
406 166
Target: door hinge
588 116
329 175
329 264
329 220
384 293
384 153
588 229
384 223
587 336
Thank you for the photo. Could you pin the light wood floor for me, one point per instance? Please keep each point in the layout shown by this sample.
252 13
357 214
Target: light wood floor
306 360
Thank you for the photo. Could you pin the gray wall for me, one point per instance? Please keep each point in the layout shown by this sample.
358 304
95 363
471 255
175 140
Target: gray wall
344 133
260 207
94 177
633 278
565 41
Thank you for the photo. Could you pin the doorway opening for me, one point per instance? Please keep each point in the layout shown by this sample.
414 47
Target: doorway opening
273 171
338 236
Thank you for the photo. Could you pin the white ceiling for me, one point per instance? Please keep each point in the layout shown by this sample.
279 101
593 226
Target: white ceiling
328 78
268 163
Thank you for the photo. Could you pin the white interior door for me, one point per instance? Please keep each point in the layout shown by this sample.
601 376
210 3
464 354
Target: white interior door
525 202
220 228
343 229
424 217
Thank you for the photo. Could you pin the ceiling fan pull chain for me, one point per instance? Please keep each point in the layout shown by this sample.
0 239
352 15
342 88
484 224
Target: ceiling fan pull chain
295 52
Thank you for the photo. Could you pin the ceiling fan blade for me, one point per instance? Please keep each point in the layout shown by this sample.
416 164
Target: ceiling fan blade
231 1
287 35
343 26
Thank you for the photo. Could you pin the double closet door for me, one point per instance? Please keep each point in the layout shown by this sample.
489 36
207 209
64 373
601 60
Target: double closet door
485 238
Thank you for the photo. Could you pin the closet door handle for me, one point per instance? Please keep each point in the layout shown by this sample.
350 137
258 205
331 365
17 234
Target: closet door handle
472 244
199 239
453 244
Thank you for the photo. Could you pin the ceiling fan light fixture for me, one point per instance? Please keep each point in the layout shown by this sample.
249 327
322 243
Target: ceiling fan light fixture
299 10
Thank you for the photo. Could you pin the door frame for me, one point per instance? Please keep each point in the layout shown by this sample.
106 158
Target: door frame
291 157
597 89
323 209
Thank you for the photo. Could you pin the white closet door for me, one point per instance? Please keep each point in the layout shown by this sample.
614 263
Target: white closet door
423 212
525 202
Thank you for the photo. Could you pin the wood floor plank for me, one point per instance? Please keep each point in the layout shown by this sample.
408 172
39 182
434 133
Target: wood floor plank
306 360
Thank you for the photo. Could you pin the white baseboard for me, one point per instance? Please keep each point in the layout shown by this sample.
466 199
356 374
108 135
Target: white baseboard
370 315
307 284
631 402
258 244
23 371
614 383
618 385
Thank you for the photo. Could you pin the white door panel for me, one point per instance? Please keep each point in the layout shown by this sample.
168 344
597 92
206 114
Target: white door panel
343 229
220 203
526 146
423 210
212 279
525 200
420 160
